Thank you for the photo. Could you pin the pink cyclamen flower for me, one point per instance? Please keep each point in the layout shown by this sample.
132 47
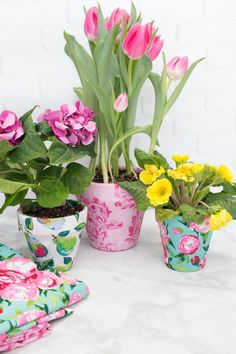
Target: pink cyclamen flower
121 103
139 40
118 15
177 67
72 124
91 24
11 128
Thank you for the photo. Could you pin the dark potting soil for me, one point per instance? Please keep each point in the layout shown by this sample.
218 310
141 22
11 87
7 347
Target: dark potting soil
69 208
123 176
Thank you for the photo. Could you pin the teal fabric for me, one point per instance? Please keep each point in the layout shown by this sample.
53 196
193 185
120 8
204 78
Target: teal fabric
24 289
185 244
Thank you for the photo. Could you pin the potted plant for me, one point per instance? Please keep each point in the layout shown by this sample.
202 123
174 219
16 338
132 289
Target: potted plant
190 200
39 157
122 50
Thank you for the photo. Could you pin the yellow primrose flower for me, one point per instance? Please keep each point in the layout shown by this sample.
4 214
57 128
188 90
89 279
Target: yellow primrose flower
180 158
219 219
159 192
183 172
226 174
150 173
197 167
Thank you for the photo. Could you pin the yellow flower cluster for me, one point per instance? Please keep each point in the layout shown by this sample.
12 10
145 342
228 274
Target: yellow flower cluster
220 219
226 174
183 172
159 192
150 173
180 158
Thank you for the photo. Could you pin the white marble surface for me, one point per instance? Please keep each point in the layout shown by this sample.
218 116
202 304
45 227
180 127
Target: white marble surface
137 305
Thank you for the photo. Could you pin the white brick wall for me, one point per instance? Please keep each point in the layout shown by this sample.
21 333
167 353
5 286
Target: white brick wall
35 70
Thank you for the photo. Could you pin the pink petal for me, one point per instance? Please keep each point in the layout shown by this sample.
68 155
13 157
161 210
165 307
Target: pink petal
88 139
7 136
9 119
90 126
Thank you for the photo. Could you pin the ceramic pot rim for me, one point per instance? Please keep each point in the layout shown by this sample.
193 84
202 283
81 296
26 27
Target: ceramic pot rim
19 212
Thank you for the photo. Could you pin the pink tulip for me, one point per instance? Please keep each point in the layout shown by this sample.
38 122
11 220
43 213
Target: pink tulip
118 15
177 67
72 124
121 103
91 24
155 48
11 128
138 40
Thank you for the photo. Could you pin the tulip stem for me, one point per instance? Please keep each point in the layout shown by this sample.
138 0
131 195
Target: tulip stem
102 141
168 85
130 69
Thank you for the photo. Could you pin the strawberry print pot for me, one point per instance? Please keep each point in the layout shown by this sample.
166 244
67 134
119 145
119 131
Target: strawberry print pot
53 242
113 221
185 245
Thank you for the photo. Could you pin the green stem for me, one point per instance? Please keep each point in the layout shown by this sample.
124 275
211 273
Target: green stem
102 141
130 69
168 85
25 168
155 130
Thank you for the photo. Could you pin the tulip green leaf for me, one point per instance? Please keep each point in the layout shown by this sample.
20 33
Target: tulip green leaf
77 178
52 193
85 67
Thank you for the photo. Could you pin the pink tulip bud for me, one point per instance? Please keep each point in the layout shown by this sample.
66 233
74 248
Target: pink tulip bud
155 48
177 67
121 103
91 24
118 15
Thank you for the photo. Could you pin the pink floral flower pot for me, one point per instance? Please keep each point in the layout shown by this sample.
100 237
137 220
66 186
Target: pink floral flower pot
113 221
185 245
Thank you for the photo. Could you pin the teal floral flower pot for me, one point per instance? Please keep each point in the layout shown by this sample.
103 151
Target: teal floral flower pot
53 242
185 245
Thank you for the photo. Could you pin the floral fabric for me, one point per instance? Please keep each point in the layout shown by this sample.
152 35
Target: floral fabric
30 298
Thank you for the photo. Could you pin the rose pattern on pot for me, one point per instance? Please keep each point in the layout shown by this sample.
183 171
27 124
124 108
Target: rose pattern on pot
53 242
185 245
113 221
30 298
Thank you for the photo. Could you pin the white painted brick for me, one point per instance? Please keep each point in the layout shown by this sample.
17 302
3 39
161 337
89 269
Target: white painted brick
19 93
36 64
19 40
30 12
177 10
209 32
221 56
221 101
216 145
218 9
57 89
203 124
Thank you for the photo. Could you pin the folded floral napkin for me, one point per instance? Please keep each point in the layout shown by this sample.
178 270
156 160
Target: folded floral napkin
30 299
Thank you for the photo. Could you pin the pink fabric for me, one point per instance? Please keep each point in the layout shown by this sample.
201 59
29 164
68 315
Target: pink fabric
113 221
20 340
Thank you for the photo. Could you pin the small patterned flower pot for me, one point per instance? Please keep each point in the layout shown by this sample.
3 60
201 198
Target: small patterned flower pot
113 221
53 242
185 245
